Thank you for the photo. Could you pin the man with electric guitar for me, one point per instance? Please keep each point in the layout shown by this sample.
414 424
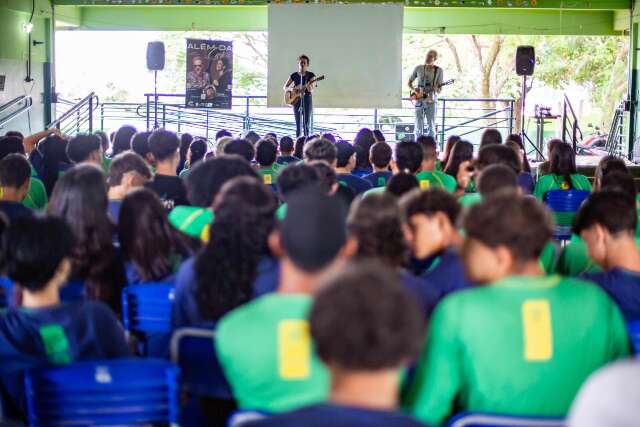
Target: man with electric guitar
425 94
297 93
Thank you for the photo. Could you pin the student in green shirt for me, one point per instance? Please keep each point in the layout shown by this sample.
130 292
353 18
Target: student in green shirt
429 176
563 173
292 178
264 347
197 151
266 155
523 343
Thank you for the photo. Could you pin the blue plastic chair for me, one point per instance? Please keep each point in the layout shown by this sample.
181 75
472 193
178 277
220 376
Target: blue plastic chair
114 392
193 351
6 292
565 204
146 313
633 328
471 419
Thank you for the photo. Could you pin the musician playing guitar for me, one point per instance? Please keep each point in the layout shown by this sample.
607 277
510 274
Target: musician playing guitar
429 85
303 106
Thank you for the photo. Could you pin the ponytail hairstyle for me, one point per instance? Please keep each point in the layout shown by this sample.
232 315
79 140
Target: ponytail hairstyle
563 162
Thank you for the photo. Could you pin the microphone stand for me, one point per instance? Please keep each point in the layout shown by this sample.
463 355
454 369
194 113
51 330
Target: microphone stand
301 108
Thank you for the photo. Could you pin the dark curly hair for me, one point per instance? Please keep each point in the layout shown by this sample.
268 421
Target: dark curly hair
375 222
226 267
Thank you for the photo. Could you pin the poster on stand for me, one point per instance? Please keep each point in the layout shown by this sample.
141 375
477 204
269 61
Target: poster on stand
209 74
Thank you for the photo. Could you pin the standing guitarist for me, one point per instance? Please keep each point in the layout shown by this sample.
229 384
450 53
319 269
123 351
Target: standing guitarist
303 107
429 78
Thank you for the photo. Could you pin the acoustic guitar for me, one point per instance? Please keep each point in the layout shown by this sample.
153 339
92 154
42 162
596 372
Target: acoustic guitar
292 95
419 94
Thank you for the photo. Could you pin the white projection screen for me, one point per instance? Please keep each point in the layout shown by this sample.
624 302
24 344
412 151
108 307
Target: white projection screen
358 47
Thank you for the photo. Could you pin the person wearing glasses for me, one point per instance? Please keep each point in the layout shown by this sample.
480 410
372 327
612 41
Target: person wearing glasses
197 78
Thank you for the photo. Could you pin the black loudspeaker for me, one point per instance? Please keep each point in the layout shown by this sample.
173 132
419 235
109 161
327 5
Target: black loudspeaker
155 56
525 60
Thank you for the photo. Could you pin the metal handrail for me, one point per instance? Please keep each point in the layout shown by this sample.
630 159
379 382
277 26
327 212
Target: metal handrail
614 138
570 123
86 102
27 102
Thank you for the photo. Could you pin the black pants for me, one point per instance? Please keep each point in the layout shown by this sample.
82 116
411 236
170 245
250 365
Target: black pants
308 108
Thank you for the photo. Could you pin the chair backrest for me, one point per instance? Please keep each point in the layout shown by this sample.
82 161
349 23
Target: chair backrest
146 308
193 350
6 292
565 204
469 419
633 328
113 392
241 418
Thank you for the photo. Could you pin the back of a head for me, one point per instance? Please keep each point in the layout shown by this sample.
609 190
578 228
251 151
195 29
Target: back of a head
448 147
613 210
122 139
295 177
327 178
374 221
329 136
461 152
345 151
429 147
563 160
223 132
619 181
381 154
140 143
364 320
498 155
104 140
514 137
163 144
207 177
429 203
520 224
610 164
198 149
34 247
298 149
252 137
81 146
185 141
54 154
551 144
496 178
378 135
10 145
321 149
401 183
286 145
313 230
266 152
363 141
16 134
221 143
15 171
408 156
79 194
490 136
126 162
242 148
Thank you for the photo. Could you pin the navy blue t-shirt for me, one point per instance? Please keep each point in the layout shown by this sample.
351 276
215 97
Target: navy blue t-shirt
378 179
358 185
285 160
67 332
525 181
14 210
424 292
362 172
185 311
446 273
330 415
623 287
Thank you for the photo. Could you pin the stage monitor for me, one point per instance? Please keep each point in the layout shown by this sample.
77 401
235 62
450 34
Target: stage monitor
357 47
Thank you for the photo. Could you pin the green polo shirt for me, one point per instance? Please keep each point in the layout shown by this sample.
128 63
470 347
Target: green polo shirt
36 197
521 346
429 179
550 182
267 355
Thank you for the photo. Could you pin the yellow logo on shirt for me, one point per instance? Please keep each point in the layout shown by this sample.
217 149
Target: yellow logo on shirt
424 184
565 186
267 179
537 332
294 350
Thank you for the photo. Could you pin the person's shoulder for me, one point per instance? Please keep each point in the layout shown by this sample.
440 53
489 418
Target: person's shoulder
94 309
263 308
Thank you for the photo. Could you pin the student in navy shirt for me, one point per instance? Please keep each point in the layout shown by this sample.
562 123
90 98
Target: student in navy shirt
345 163
15 176
607 224
375 223
223 274
286 149
127 171
430 217
380 159
365 328
45 331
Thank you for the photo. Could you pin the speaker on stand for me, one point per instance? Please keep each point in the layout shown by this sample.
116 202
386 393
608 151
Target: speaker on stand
155 62
525 65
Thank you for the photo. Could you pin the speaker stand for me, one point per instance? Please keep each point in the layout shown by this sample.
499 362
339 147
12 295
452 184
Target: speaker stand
155 98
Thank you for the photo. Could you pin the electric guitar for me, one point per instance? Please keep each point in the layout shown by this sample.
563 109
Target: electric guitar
421 95
292 95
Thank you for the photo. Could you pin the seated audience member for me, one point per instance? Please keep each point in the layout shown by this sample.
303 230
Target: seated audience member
165 183
562 173
497 178
401 184
362 143
272 136
607 165
329 136
525 178
378 135
538 357
448 147
291 179
223 274
122 139
460 158
609 397
345 163
430 219
54 161
544 168
126 172
365 329
85 148
197 151
266 154
221 143
380 158
328 180
223 133
429 176
80 198
140 146
242 148
321 149
375 223
607 224
185 141
45 331
282 372
286 152
15 172
490 136
407 158
298 146
36 197
251 136
151 248
106 145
